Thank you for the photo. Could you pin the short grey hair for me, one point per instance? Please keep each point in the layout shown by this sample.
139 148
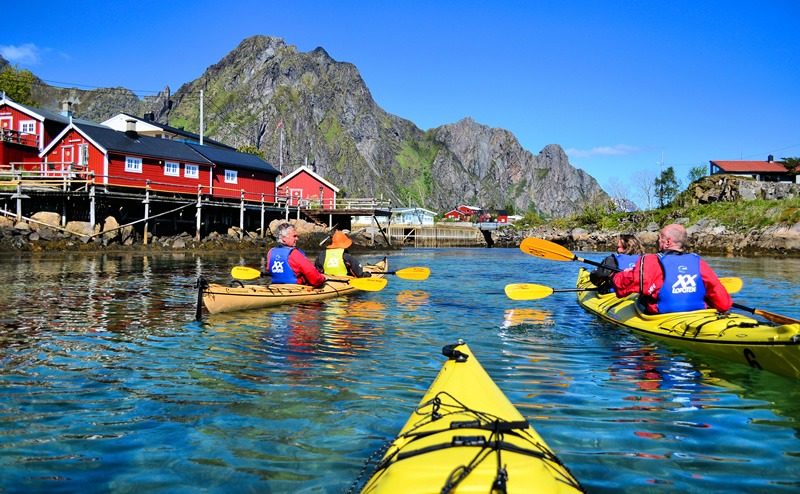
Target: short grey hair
282 230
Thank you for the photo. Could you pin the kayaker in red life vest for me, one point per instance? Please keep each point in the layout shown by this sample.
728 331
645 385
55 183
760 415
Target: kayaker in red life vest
289 265
672 280
336 261
629 249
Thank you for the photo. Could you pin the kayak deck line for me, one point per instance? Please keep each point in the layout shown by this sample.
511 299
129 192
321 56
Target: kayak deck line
731 336
466 436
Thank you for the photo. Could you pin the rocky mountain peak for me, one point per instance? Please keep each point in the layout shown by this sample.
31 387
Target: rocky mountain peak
330 120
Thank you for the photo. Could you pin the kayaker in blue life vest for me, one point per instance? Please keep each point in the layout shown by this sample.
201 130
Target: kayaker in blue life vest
289 265
673 280
336 261
629 249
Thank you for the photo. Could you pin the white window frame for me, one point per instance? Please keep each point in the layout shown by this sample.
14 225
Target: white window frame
191 171
83 155
231 177
172 168
27 126
133 164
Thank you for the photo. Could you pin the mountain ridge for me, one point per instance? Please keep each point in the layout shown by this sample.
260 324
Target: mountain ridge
331 122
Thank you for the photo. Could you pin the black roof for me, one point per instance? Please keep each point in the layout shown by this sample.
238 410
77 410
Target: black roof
132 143
181 132
234 158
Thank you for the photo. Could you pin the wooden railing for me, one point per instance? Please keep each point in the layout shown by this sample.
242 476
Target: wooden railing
18 137
70 176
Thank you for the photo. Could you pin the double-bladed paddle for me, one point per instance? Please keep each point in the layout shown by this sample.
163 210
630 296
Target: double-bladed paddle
530 291
366 284
549 250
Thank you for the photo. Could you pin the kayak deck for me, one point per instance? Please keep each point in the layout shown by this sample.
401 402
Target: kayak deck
221 298
731 336
466 436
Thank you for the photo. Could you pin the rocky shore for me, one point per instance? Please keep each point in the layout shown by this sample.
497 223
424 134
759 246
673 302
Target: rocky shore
704 238
43 232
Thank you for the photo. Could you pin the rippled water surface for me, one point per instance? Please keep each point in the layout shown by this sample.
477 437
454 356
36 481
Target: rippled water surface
108 384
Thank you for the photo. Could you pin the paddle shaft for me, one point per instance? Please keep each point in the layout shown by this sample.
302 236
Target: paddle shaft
771 316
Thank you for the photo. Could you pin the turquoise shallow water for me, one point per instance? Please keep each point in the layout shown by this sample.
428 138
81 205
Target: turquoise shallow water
109 385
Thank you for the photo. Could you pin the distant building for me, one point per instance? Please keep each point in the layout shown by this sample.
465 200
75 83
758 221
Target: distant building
763 171
463 213
304 188
413 216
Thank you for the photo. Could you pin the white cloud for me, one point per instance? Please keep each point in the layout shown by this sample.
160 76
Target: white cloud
618 150
25 54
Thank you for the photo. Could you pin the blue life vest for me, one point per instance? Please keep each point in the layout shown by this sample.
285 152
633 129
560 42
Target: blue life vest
683 289
278 265
625 261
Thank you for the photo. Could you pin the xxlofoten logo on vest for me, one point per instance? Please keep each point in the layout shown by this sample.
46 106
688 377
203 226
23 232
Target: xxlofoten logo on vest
686 282
277 267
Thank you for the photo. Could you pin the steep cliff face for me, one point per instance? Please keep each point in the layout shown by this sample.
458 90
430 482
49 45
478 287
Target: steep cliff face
493 169
330 121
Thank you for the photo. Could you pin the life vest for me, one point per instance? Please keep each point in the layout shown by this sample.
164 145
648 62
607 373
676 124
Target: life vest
334 264
278 266
683 289
625 261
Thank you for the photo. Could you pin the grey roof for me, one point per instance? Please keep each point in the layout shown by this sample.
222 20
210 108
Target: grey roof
57 117
234 158
125 143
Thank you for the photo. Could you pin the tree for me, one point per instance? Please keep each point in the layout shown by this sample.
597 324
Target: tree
792 164
667 187
250 149
619 194
644 184
17 84
696 173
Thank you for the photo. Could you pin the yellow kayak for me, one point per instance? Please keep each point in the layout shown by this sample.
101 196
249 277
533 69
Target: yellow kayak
466 436
221 298
733 336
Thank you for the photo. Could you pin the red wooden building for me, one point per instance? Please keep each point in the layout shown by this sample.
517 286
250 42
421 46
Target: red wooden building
130 160
305 188
764 171
25 131
463 213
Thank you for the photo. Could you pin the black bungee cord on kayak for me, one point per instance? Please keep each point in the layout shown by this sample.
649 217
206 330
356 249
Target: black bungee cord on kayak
484 421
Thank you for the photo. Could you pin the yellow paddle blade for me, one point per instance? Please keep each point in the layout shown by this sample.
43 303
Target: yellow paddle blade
527 291
545 249
369 284
733 285
245 273
416 273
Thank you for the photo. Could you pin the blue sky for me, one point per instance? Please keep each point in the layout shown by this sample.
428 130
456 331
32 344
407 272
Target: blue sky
618 84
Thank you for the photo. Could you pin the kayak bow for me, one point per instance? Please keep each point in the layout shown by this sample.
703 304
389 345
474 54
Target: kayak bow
466 436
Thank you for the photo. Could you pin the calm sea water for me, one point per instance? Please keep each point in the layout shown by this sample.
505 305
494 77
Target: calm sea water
109 385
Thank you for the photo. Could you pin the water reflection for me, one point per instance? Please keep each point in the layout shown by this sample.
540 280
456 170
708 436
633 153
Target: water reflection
109 383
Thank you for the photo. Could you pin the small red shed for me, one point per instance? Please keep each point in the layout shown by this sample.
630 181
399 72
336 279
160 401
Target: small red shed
304 188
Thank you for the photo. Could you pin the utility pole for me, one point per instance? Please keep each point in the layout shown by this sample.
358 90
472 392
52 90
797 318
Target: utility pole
280 146
201 117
